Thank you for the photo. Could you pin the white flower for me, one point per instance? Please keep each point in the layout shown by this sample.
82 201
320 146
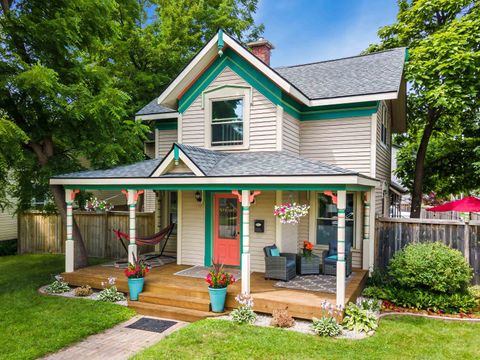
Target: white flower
59 277
112 280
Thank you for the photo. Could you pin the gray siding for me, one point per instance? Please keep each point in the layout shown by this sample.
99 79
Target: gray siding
383 163
165 139
342 142
262 117
291 134
193 230
8 225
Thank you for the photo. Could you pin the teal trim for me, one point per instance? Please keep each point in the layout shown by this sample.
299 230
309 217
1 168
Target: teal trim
271 91
207 259
407 55
341 211
215 187
176 152
220 43
170 124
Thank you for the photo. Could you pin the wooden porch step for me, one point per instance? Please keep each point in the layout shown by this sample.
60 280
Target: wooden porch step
181 301
171 312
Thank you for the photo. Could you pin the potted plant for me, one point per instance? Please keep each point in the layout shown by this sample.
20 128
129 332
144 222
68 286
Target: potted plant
135 272
290 213
218 281
307 249
307 262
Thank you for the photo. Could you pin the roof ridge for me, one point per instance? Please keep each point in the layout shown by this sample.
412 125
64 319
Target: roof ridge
338 59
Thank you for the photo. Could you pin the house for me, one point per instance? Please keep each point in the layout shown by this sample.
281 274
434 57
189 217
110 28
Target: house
234 137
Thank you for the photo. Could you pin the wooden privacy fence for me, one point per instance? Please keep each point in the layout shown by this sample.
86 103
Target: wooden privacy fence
394 234
40 233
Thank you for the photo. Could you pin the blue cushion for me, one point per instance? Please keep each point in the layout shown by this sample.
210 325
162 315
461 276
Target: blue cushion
274 252
291 263
332 257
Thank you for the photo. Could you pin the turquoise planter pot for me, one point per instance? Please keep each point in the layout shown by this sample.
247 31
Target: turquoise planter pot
217 298
135 287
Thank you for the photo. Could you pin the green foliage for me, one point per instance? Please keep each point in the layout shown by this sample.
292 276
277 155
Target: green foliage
475 291
111 294
33 324
359 319
243 315
419 299
430 266
326 326
8 247
375 292
73 73
402 337
57 287
443 99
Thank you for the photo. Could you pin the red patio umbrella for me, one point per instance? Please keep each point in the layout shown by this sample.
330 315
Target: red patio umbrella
468 204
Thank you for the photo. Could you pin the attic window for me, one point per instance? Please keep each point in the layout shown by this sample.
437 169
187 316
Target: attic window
227 122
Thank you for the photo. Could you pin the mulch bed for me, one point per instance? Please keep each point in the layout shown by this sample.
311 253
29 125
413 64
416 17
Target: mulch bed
390 309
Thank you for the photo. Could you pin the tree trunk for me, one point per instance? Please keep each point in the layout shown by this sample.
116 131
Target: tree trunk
44 151
417 192
80 259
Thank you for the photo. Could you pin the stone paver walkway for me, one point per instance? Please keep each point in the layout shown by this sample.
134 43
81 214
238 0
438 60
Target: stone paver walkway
116 343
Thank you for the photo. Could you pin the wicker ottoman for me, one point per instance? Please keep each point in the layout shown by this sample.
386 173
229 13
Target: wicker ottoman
308 266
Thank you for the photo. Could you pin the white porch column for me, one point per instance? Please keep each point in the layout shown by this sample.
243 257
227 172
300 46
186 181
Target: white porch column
132 196
341 204
246 242
371 230
69 244
366 232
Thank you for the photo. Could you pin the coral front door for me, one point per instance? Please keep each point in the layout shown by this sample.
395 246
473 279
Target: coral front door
226 229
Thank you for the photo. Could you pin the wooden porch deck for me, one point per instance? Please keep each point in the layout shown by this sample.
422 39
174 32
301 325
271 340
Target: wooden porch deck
186 298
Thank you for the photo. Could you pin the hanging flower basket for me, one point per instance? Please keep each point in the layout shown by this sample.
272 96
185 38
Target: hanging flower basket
290 213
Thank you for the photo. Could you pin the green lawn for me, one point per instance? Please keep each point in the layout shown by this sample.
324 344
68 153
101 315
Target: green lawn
396 338
31 324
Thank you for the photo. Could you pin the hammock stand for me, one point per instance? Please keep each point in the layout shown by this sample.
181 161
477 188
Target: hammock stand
154 239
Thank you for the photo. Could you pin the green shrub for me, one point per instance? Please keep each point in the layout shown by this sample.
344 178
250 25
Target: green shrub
420 299
475 291
243 315
430 266
111 294
375 292
359 319
57 287
326 326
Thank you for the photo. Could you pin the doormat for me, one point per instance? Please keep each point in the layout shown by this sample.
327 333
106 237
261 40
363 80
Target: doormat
322 283
153 325
201 272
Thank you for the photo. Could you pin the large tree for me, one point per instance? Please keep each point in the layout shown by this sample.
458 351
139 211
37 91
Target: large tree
72 73
443 98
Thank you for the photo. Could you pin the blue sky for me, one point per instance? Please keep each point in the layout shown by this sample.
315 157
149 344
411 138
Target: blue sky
305 31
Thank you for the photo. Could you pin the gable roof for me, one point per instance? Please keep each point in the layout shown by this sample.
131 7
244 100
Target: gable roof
153 107
376 76
222 164
374 73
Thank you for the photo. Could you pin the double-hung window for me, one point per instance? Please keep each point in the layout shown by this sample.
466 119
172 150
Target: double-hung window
384 126
327 218
227 127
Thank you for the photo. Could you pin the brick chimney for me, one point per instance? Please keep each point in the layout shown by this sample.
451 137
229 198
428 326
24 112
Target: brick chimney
261 49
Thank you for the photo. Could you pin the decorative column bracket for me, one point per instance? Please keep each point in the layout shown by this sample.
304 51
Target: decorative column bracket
132 198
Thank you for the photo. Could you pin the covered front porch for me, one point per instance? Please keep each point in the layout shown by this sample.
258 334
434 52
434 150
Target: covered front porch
248 185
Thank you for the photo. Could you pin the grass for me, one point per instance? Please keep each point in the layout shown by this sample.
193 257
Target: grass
397 338
32 324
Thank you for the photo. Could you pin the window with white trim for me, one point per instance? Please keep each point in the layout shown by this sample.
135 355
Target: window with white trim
326 222
227 122
384 126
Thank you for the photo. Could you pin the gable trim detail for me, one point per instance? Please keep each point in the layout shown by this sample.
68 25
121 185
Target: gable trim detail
174 156
268 89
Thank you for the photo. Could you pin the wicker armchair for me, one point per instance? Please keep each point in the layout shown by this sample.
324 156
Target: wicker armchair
329 259
281 267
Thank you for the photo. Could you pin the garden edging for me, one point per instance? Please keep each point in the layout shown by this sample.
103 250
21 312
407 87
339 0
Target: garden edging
449 318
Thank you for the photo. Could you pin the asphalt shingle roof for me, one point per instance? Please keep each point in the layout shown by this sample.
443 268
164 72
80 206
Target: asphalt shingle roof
373 73
221 164
154 108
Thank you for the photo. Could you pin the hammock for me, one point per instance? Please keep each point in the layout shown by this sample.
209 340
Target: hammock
154 239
